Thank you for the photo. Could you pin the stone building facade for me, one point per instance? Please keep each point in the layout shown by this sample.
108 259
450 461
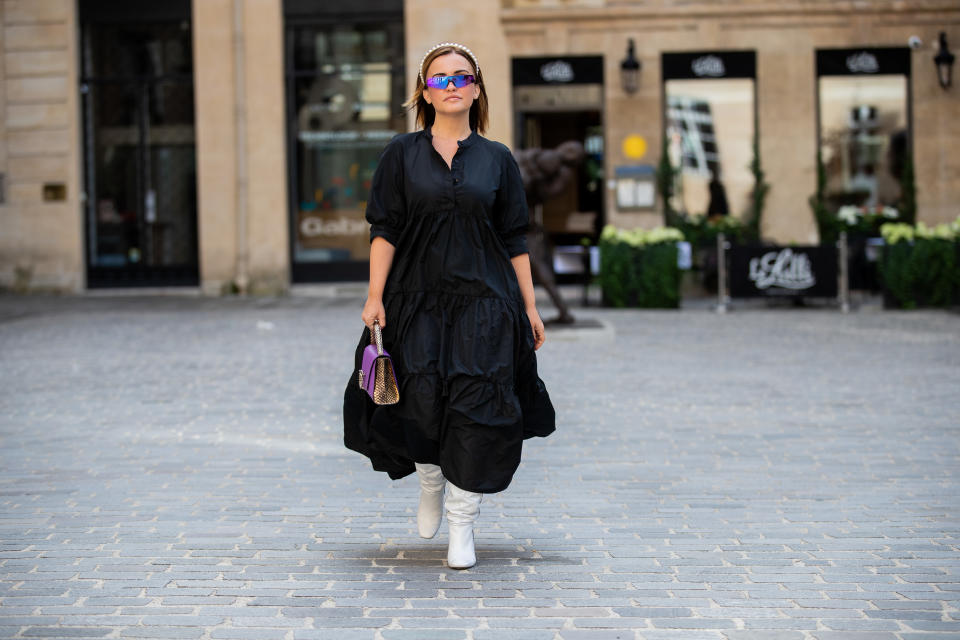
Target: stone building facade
226 145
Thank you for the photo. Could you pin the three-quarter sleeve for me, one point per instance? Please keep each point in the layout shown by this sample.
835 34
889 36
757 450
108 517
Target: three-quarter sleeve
511 216
386 206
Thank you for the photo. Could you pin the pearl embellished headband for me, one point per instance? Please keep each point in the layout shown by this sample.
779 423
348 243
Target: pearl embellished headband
447 44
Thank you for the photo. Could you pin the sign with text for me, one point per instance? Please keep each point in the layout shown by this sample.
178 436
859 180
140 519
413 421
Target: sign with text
863 61
691 65
797 272
560 70
636 187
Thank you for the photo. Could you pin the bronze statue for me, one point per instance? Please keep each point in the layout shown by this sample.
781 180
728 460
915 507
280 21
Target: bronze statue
546 173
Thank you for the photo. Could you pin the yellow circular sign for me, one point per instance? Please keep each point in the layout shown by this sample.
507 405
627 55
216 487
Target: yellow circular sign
634 147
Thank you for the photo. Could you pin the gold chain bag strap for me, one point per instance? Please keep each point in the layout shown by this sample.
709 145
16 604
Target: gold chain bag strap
377 376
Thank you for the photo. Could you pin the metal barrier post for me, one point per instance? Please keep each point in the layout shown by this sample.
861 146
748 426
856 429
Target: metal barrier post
844 296
721 273
587 273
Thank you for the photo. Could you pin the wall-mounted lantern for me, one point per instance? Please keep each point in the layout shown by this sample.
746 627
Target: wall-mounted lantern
630 70
944 61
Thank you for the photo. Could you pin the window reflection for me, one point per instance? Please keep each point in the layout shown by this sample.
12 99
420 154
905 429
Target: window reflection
863 134
710 133
346 93
139 146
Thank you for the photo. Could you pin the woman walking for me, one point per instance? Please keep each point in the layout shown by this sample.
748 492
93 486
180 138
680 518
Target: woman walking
450 287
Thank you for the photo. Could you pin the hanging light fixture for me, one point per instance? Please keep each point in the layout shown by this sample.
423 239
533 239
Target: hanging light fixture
944 61
630 70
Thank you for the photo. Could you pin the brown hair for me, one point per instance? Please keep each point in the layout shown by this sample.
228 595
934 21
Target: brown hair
426 114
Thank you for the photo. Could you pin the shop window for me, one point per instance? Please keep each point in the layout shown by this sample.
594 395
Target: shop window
710 128
863 124
345 90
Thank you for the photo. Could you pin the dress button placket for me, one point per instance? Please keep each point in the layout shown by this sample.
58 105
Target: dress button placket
455 174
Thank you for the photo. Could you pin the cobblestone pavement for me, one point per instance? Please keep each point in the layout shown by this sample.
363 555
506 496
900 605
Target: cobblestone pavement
173 468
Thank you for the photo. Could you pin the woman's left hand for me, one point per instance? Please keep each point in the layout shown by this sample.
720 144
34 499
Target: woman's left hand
537 325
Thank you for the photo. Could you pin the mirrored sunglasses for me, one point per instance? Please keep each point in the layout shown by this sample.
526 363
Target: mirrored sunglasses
442 82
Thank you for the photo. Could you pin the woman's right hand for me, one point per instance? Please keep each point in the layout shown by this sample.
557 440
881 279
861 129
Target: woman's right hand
373 310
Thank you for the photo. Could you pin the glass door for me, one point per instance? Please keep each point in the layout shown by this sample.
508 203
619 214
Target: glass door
139 149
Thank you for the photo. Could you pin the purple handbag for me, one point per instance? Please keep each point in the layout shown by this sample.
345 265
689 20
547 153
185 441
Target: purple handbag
376 374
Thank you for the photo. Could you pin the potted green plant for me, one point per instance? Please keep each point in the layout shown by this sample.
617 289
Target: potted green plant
920 265
638 267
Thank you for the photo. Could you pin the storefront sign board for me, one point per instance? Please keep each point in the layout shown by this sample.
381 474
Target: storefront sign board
796 272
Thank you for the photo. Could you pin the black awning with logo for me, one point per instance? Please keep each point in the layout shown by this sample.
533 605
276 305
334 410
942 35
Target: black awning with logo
558 70
863 61
688 65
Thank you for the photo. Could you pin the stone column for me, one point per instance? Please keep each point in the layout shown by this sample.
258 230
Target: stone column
240 146
786 118
936 131
214 92
268 218
41 244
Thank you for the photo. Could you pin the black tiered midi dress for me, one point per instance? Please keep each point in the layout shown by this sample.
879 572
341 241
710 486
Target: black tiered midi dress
456 328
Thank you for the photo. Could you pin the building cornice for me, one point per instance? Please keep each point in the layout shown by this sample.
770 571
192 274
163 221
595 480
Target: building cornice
947 11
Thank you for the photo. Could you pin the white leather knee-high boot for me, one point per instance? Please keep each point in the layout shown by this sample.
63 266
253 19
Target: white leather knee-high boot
463 507
430 510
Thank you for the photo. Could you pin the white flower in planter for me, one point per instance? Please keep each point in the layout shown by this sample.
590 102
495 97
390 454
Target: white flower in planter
849 214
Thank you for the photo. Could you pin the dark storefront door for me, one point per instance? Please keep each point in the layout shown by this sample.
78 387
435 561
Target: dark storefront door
576 212
136 87
559 100
345 88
